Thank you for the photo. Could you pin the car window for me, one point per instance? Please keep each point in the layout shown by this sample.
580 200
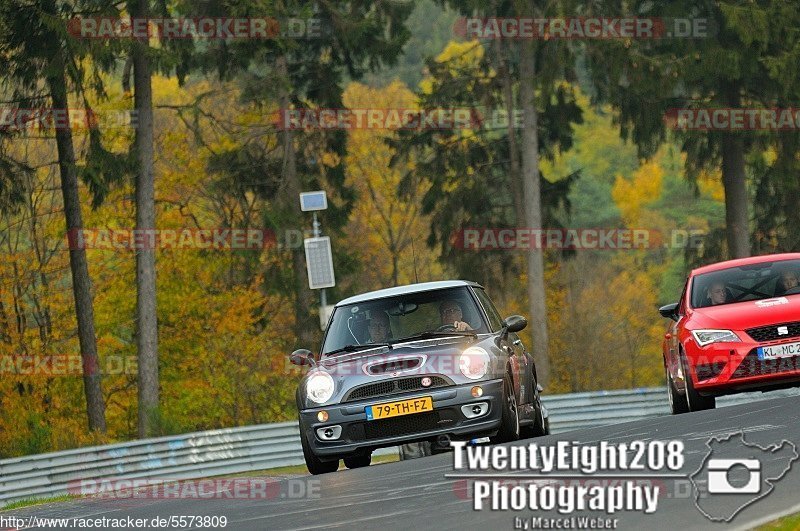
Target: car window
495 321
746 283
407 315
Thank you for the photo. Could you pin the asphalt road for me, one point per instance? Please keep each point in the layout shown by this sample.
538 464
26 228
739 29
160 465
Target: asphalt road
417 495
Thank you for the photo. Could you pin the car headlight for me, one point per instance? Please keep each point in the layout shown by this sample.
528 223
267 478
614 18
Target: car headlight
706 337
474 363
320 387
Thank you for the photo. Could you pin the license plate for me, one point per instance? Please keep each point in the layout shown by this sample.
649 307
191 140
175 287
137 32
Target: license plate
402 407
779 351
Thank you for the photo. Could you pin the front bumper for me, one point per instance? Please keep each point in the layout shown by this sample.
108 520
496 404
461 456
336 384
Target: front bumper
723 368
359 435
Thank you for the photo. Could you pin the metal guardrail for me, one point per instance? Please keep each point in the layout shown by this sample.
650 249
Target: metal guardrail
252 448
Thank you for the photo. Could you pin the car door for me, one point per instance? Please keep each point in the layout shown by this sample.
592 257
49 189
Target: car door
672 339
524 362
521 367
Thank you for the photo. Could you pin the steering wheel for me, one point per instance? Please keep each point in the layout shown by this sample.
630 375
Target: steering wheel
446 328
792 291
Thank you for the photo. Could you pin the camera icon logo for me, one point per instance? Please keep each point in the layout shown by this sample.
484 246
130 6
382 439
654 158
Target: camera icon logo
736 473
719 481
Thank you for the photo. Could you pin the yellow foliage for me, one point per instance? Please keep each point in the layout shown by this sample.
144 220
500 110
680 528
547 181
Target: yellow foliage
631 196
384 226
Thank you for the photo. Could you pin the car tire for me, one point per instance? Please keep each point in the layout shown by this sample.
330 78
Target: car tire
314 464
678 402
415 450
540 425
358 461
509 424
694 400
538 428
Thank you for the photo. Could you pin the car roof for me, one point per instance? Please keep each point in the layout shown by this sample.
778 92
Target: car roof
410 288
745 261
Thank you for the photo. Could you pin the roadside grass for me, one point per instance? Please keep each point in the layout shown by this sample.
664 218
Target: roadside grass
19 504
787 523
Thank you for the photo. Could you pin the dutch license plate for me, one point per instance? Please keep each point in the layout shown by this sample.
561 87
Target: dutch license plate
402 407
779 351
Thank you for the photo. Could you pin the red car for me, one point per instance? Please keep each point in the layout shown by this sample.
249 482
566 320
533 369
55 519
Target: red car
736 328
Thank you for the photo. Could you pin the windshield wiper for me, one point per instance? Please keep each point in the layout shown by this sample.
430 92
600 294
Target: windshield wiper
434 334
356 348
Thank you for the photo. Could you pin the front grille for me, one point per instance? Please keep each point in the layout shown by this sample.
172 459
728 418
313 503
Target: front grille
404 425
712 370
770 333
394 386
752 366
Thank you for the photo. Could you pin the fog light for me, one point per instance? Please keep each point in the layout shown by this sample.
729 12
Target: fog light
477 391
472 411
329 433
322 416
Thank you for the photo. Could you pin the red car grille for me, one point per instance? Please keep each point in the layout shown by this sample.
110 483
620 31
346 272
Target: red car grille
770 333
394 386
752 366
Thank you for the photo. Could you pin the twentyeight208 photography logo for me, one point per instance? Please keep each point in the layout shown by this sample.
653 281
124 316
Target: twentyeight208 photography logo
735 474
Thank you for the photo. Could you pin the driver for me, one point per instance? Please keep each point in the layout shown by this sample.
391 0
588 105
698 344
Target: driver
379 329
788 281
450 312
717 293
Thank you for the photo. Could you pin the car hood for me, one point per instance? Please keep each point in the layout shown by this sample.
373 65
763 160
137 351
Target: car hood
378 363
438 356
749 314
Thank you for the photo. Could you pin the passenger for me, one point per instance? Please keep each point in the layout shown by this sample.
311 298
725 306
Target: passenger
717 293
379 329
450 312
787 281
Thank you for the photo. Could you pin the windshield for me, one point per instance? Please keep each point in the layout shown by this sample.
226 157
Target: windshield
392 319
764 280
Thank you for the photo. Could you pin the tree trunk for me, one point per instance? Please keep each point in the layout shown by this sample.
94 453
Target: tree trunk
146 318
533 210
304 298
81 283
513 149
733 179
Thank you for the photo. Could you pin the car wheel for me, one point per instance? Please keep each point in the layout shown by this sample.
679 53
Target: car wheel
540 425
415 450
509 425
677 402
314 464
695 401
358 461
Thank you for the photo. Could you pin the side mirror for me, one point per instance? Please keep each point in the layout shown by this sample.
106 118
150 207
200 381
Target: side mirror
302 356
515 323
670 311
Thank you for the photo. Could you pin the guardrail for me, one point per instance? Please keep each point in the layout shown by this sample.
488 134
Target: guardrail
252 448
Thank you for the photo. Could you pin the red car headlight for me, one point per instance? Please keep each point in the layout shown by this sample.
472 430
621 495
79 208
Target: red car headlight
706 337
